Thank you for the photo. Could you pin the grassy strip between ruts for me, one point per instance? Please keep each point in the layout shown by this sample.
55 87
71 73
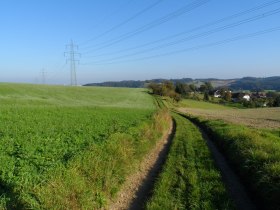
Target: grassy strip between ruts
254 154
189 179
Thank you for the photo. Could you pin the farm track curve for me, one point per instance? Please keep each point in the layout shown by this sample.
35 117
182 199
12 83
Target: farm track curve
138 186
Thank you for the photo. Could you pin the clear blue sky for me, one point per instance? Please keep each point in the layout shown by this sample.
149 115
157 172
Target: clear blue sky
135 39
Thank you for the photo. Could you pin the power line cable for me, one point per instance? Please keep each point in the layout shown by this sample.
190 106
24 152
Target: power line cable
207 33
106 17
247 36
179 12
155 23
192 30
54 74
127 20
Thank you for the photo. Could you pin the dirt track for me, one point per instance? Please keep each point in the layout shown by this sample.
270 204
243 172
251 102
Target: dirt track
138 186
235 188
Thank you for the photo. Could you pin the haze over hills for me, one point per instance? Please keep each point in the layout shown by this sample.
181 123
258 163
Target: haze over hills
245 83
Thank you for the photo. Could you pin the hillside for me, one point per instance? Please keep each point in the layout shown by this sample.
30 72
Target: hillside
44 95
55 139
137 83
253 83
246 83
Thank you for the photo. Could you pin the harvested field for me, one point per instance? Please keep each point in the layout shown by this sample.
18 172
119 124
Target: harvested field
257 118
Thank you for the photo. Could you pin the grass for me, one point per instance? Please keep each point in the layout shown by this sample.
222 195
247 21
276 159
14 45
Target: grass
71 147
94 177
189 179
254 154
43 95
190 103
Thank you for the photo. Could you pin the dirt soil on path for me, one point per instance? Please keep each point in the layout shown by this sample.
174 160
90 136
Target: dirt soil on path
138 186
236 189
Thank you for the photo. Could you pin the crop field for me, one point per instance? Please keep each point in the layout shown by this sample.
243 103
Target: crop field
70 147
190 179
268 118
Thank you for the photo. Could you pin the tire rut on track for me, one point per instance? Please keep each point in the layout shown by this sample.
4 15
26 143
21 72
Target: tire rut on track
236 189
138 186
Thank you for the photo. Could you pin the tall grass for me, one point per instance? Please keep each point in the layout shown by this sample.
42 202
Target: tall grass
94 177
189 179
254 154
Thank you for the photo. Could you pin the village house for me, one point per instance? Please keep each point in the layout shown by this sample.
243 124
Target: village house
258 95
218 93
247 97
236 97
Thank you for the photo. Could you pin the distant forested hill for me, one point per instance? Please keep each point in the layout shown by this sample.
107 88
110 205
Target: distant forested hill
128 83
245 83
253 83
137 83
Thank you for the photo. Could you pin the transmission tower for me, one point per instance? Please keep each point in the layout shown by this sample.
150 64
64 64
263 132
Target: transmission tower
43 76
71 55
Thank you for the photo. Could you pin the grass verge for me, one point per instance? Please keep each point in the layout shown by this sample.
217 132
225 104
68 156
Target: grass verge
189 179
254 154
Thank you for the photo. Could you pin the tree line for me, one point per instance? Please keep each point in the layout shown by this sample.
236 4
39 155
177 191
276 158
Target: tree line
181 90
177 91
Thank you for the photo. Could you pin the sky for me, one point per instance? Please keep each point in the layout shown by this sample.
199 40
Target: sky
138 39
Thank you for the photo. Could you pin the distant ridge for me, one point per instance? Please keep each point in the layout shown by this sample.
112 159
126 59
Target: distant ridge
245 83
254 83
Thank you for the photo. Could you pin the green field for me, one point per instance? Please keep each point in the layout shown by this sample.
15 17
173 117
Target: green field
195 104
70 147
189 103
41 95
189 179
73 148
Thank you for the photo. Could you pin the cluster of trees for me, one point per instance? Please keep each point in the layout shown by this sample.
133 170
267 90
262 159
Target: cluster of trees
166 88
226 94
273 99
181 90
254 103
207 89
